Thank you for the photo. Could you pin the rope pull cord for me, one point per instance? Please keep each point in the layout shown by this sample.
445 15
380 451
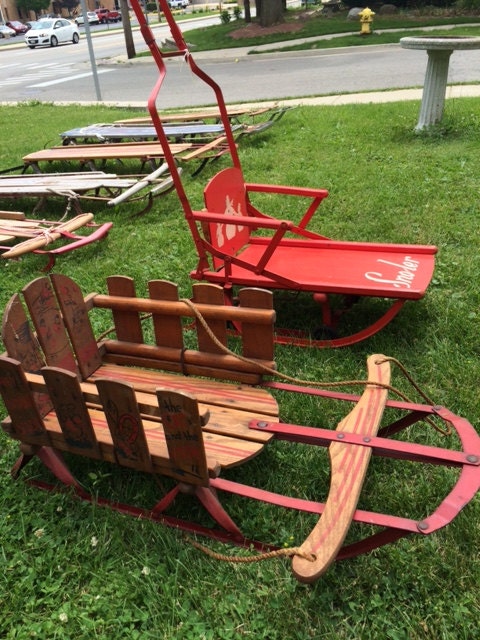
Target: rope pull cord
267 555
363 383
311 383
293 551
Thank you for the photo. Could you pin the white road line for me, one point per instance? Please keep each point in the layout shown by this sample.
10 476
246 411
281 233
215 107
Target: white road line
68 79
29 77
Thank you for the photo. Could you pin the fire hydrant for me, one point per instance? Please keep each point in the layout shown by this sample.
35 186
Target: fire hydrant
366 19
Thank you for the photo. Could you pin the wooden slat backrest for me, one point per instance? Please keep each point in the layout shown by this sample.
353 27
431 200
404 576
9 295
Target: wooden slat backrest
24 422
72 413
167 328
182 425
168 312
22 345
50 328
128 325
75 316
64 338
226 193
125 423
257 339
204 293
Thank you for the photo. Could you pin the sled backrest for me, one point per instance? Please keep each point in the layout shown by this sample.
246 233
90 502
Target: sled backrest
172 337
226 193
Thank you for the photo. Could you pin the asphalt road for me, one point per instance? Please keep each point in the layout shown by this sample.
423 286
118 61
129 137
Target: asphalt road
65 73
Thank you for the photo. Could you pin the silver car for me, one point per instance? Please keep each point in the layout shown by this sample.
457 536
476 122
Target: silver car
6 32
91 17
51 32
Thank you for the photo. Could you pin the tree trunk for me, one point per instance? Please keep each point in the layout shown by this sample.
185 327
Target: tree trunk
246 8
271 12
127 29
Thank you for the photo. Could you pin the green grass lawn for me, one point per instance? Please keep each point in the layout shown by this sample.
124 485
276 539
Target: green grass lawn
73 571
220 36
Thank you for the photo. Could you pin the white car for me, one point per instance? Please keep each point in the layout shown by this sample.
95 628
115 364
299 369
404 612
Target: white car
51 32
6 32
178 4
91 17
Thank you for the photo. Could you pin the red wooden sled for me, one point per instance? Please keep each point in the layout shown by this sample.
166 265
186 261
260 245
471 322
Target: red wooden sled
37 236
283 254
165 408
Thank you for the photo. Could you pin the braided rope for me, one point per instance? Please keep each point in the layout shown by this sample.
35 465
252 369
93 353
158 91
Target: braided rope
311 383
267 555
316 383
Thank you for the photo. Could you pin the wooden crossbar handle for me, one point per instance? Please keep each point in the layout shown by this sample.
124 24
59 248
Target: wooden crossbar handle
208 311
349 464
188 357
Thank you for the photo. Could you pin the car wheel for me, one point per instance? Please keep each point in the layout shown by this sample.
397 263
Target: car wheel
31 46
75 38
53 42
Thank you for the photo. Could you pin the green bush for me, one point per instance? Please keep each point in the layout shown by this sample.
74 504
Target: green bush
225 17
468 5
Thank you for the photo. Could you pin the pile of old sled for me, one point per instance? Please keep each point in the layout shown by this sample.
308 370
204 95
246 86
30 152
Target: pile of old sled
195 137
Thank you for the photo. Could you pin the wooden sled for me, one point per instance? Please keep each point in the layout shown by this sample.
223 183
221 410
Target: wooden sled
180 133
34 236
91 185
284 255
255 118
149 154
190 412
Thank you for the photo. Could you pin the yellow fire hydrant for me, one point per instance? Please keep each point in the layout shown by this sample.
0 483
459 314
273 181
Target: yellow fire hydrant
366 19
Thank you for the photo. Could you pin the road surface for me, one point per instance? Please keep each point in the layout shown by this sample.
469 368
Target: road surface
65 74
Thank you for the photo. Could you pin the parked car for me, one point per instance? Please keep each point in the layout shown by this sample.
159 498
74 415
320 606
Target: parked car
51 32
178 4
6 32
108 15
91 17
17 26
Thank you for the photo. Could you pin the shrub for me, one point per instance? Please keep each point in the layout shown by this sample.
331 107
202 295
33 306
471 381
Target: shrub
225 17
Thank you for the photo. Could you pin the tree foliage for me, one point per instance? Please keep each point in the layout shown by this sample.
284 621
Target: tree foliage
37 6
70 5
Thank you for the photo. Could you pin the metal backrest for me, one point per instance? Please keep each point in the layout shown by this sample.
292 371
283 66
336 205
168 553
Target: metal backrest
226 193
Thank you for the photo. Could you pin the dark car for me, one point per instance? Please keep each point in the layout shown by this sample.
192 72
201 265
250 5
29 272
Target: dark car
17 26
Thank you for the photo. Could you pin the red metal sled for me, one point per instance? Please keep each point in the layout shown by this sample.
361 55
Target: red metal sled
283 255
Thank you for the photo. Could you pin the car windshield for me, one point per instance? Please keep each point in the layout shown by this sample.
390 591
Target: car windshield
44 24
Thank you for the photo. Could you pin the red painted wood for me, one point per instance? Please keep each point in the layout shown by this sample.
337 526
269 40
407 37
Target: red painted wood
50 328
24 420
75 316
